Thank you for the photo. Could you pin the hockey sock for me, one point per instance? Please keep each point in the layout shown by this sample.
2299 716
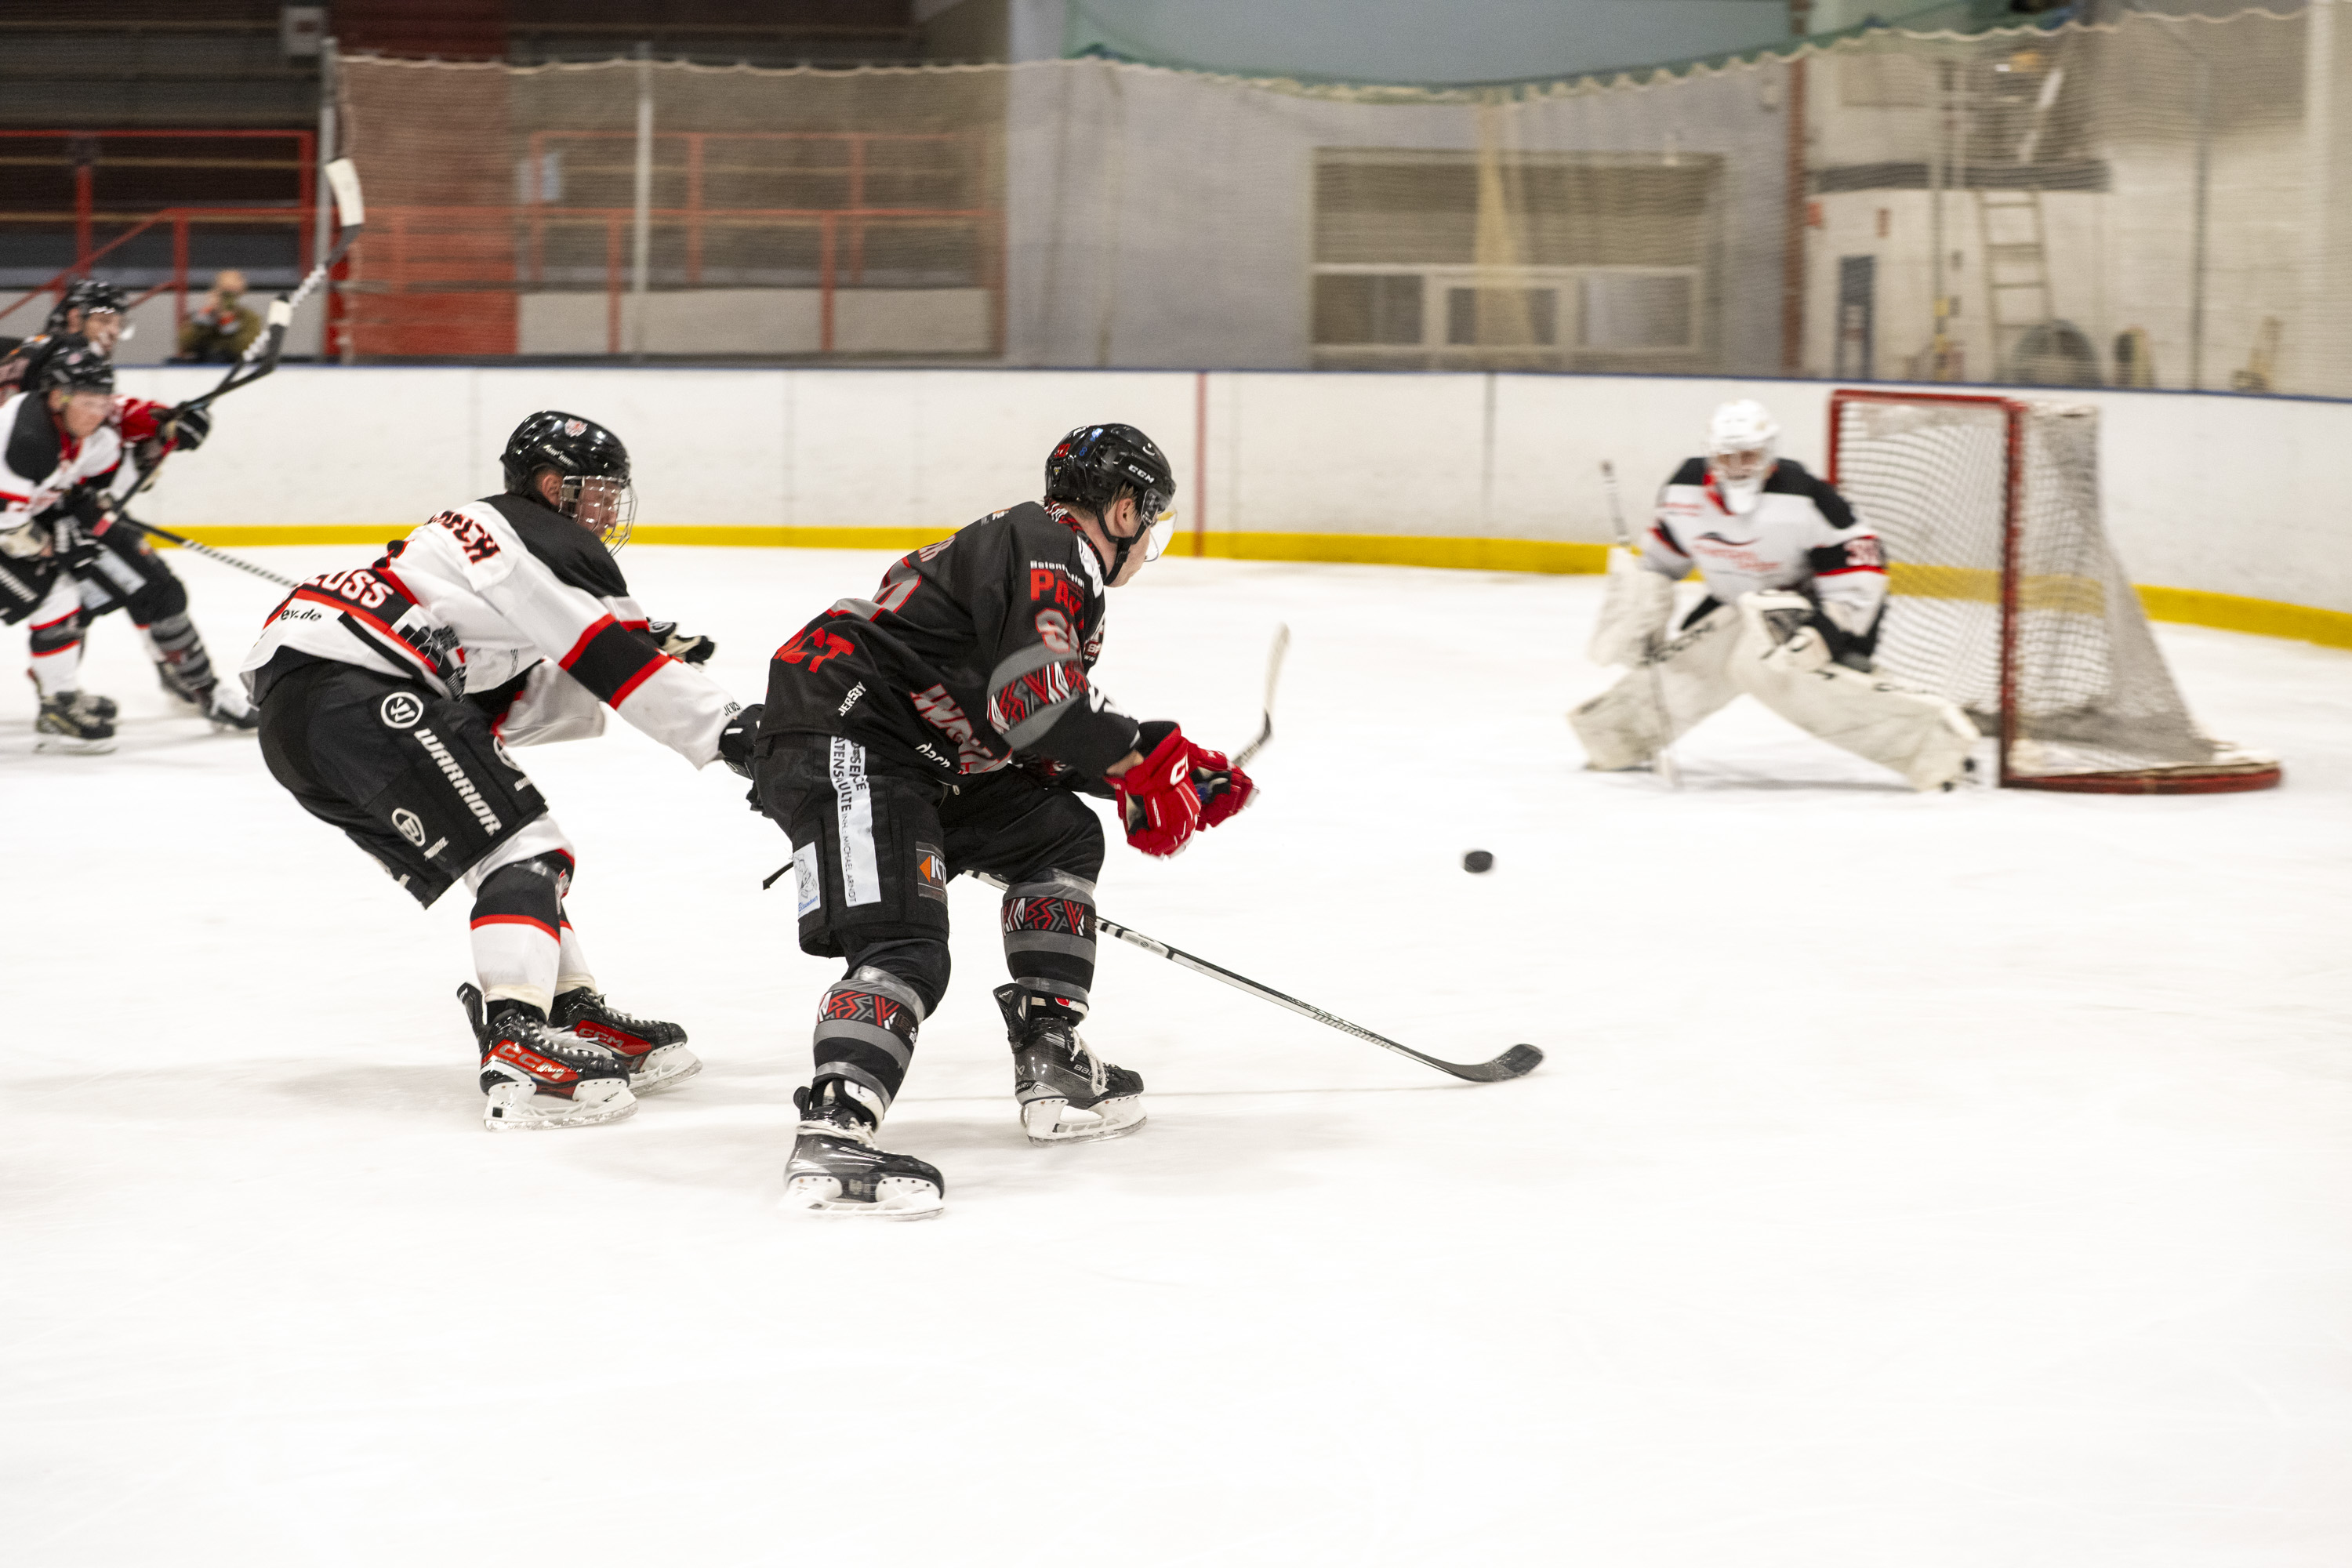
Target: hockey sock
57 654
866 1036
1049 936
518 914
176 644
571 970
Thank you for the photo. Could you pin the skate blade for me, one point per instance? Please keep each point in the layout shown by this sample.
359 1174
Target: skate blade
665 1069
507 1111
1053 1121
68 746
897 1198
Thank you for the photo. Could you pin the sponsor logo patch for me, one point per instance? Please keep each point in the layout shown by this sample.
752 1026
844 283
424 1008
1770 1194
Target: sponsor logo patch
809 894
930 872
411 829
401 711
575 427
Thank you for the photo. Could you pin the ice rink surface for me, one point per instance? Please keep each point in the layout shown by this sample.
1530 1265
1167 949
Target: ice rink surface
1940 1181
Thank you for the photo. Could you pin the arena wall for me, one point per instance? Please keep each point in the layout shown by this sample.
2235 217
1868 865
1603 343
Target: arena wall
2228 508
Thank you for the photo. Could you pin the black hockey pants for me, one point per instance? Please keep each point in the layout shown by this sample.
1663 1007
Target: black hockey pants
876 841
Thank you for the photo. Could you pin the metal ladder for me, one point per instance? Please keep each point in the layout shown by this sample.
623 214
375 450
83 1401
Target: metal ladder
2016 267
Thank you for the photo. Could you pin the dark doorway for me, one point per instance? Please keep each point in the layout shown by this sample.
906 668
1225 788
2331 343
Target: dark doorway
1856 309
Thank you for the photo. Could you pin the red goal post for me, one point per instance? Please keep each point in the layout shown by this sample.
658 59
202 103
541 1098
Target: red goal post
2006 598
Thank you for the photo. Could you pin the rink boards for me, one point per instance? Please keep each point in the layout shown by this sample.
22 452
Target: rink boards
2220 506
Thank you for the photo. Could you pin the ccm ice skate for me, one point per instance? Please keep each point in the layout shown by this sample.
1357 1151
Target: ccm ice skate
655 1052
836 1169
72 722
1067 1093
536 1077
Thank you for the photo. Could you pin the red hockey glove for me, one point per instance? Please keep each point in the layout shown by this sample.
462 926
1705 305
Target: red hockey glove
1224 788
1156 798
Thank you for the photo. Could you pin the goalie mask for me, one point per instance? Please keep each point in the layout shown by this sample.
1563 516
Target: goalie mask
595 467
1743 443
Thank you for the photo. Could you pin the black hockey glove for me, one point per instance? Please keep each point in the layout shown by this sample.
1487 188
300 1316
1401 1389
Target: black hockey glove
189 430
735 741
682 647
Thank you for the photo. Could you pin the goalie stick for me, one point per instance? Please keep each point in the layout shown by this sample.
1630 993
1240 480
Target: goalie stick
1516 1062
1273 675
1650 642
260 357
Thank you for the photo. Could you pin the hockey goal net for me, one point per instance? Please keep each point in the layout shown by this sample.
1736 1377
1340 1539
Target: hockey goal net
2007 600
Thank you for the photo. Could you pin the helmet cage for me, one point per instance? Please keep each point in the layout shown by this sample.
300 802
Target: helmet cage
604 506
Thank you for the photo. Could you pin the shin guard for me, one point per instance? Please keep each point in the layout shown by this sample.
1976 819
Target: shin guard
865 1031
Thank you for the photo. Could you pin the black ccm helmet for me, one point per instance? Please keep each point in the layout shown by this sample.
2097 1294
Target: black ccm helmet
593 462
89 296
69 364
1096 464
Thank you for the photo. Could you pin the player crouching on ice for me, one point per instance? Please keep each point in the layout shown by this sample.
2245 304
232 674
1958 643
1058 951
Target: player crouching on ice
940 726
388 696
1795 589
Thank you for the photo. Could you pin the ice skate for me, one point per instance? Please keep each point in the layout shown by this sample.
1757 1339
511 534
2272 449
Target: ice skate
1067 1094
655 1052
535 1077
836 1169
76 724
228 710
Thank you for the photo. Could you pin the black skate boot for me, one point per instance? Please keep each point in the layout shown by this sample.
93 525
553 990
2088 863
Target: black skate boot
536 1077
1067 1094
835 1168
74 723
655 1052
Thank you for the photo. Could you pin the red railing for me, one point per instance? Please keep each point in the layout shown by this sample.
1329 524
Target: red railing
86 217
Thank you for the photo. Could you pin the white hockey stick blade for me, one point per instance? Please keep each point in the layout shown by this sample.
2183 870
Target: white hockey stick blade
343 179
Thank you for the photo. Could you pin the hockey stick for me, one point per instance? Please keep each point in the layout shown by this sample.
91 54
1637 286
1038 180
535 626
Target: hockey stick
1516 1062
1273 675
222 556
260 357
1650 642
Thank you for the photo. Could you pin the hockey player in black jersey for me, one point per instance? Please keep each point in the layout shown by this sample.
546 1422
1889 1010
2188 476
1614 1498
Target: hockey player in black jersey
940 726
388 697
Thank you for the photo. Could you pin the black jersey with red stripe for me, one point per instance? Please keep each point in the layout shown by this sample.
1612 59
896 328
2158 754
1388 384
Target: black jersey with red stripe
972 654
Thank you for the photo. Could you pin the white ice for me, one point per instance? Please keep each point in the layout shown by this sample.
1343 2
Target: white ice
1941 1182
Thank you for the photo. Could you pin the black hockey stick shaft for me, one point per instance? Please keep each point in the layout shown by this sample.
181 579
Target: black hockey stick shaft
1516 1062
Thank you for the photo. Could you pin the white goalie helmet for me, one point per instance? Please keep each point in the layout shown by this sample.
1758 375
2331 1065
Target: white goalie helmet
1743 442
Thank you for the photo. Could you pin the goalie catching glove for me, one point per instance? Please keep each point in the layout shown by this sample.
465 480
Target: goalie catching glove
1177 789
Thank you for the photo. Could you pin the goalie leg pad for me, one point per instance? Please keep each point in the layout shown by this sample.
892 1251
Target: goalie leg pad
1623 727
1636 605
1785 665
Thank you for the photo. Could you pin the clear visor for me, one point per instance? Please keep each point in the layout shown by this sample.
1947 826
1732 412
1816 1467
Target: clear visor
606 508
1739 468
1156 537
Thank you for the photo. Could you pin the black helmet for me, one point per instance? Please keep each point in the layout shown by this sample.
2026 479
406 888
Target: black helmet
1096 464
85 295
583 451
71 365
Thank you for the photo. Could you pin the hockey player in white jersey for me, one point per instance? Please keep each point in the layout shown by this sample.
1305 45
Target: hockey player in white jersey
388 697
1796 585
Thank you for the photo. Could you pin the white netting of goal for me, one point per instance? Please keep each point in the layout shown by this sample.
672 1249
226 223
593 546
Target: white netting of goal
1947 481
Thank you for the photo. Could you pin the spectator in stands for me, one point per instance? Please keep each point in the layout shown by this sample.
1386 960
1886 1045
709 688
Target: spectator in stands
218 333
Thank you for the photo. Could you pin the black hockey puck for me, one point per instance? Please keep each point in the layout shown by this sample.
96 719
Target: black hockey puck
1477 860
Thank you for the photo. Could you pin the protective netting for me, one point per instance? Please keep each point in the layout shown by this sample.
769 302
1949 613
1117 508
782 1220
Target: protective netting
2156 201
1943 481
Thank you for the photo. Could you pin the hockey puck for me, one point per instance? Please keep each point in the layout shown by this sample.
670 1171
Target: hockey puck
1477 860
